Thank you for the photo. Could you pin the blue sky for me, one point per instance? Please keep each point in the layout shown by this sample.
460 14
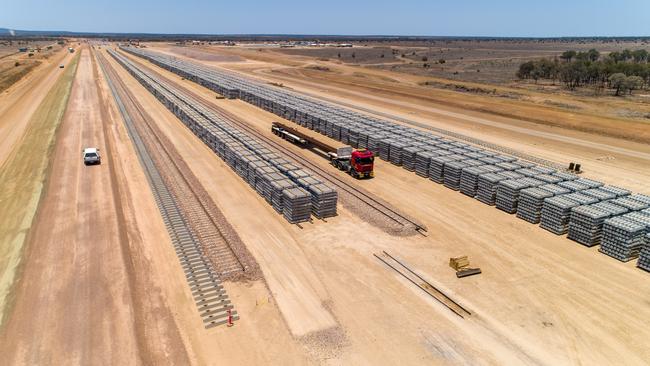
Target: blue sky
541 18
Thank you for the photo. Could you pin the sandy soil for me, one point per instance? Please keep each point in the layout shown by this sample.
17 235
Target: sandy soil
23 176
539 301
17 104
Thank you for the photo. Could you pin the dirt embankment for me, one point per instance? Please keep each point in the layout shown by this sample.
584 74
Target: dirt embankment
12 72
23 178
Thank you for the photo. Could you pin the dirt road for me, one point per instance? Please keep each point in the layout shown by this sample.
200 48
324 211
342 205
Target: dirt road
75 301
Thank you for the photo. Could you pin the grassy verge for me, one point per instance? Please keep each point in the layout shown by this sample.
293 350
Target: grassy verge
22 179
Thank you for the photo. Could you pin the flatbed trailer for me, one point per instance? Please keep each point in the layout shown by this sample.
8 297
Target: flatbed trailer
358 163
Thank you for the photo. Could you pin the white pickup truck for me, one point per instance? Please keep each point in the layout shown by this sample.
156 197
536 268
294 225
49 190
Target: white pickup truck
91 156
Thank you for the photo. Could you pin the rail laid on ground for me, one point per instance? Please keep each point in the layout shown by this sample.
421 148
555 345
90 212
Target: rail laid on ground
410 275
211 299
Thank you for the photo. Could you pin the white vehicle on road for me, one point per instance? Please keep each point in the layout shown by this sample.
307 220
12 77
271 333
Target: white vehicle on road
91 156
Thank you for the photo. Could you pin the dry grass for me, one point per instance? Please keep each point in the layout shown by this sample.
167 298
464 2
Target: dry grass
11 74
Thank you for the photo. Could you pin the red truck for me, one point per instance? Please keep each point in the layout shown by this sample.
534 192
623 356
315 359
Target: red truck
358 163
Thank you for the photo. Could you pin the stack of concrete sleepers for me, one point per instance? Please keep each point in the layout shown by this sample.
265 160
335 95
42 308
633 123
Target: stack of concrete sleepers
296 204
630 203
486 190
565 175
508 192
586 223
436 167
619 192
324 200
277 188
644 255
624 236
422 161
549 178
453 171
469 178
409 157
573 186
556 211
395 151
641 198
530 204
600 194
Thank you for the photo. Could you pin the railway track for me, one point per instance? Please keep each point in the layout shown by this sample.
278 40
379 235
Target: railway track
355 191
402 269
203 251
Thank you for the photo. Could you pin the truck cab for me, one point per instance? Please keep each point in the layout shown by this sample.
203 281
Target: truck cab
358 163
362 163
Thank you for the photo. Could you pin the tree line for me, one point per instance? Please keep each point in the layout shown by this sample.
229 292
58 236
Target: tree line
623 71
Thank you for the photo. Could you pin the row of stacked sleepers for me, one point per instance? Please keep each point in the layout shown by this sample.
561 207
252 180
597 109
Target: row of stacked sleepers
292 191
562 203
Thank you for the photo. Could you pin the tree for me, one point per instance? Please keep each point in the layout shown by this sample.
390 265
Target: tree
593 55
640 55
525 70
425 59
354 55
568 55
582 56
633 83
615 56
626 54
617 81
441 61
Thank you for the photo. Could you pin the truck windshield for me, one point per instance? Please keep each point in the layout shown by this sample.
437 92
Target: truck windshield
91 155
364 161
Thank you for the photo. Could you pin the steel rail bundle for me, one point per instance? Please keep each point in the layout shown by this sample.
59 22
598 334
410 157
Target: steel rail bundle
211 299
403 270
